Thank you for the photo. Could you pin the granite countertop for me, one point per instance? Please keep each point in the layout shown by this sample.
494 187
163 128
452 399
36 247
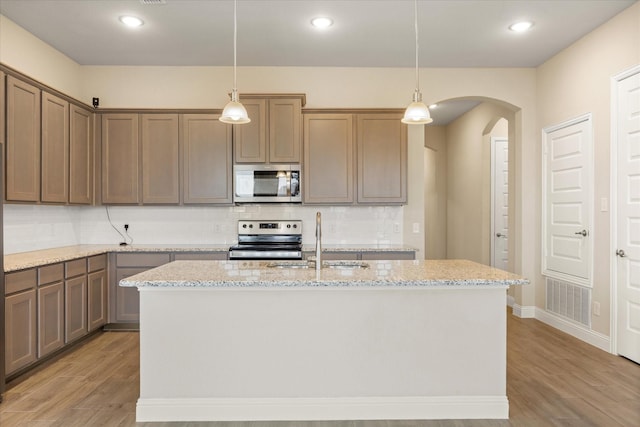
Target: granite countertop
23 260
257 274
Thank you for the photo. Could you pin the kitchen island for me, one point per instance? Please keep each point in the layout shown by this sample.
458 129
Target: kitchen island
240 340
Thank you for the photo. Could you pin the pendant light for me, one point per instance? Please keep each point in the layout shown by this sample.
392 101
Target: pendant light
417 113
234 112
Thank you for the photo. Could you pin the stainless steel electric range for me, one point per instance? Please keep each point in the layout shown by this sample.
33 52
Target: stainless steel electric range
264 240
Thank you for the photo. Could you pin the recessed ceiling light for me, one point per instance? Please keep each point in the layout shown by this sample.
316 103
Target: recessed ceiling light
322 22
131 21
520 27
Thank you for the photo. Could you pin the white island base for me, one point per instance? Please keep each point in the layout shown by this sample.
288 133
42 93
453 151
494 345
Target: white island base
322 353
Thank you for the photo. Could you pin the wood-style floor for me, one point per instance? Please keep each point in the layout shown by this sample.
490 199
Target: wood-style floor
553 380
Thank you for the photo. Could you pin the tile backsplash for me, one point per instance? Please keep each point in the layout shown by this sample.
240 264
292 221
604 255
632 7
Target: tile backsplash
33 227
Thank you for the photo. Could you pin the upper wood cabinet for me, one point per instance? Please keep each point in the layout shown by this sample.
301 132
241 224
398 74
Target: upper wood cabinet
120 167
250 139
274 133
328 158
160 159
81 155
206 154
2 109
55 149
284 130
23 141
382 159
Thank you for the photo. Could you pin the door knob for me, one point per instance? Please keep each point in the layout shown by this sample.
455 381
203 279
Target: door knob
501 235
621 253
583 232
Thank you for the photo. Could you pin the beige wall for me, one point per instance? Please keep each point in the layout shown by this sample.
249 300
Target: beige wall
207 87
578 81
469 181
28 54
435 192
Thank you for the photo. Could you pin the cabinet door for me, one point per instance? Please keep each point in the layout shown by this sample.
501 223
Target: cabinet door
160 170
200 256
120 158
50 318
20 330
55 149
97 297
328 158
382 159
250 140
2 108
389 255
75 301
23 141
80 156
285 116
206 156
127 299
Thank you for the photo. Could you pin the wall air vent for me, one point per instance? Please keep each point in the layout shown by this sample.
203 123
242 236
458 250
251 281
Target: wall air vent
153 2
569 301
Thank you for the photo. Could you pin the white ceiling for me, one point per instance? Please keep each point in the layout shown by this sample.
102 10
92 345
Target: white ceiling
366 33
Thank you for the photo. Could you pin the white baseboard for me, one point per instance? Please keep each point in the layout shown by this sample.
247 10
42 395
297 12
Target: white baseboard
596 339
291 409
526 312
511 301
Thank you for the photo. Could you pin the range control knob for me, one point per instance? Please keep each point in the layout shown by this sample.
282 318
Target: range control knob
244 225
295 225
288 225
250 225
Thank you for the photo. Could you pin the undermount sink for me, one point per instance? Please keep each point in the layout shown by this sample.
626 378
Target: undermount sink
290 264
345 264
325 264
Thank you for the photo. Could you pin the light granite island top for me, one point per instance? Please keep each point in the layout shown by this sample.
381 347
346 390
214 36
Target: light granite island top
241 341
341 274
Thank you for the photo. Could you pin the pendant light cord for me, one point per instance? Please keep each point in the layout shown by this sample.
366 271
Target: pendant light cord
235 41
417 48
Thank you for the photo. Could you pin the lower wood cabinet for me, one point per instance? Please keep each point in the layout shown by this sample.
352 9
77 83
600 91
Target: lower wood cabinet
125 302
20 330
97 313
50 318
75 297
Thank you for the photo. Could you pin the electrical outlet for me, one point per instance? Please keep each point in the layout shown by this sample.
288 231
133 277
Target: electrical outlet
596 308
396 227
416 227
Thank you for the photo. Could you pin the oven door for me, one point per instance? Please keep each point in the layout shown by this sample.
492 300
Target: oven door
266 184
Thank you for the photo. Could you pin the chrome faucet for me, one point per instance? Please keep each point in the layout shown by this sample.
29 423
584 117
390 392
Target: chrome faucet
318 242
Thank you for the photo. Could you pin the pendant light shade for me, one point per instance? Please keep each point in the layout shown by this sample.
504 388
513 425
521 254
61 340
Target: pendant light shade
417 113
234 112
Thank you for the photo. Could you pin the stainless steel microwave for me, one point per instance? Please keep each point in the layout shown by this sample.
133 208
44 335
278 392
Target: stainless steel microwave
266 184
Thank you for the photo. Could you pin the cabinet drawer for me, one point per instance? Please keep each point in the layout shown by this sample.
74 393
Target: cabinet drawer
142 260
389 255
50 273
19 281
75 268
196 256
97 262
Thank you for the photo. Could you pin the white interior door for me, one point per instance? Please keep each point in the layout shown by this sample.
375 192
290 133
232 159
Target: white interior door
568 201
499 202
628 217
